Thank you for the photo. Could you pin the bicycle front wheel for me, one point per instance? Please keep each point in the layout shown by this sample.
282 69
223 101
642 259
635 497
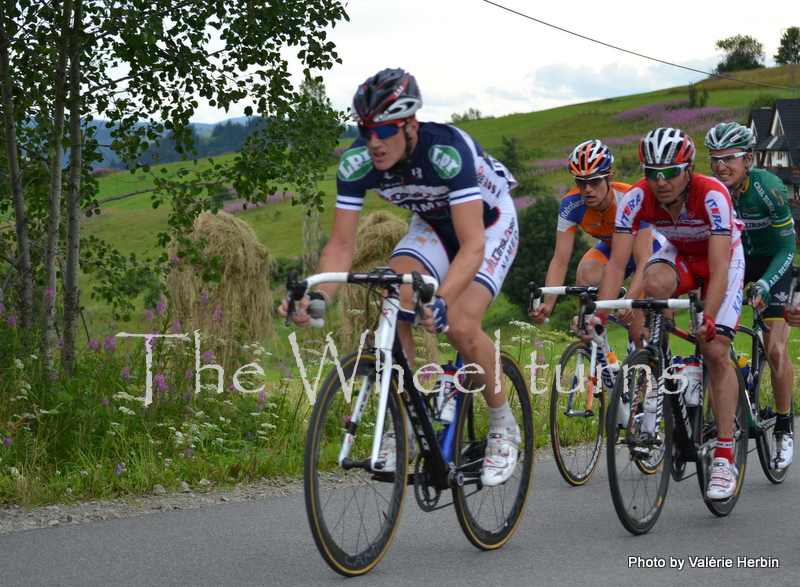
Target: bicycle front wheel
764 401
490 515
353 513
639 452
577 414
722 508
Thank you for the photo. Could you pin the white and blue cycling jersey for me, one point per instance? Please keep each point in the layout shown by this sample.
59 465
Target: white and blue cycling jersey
446 168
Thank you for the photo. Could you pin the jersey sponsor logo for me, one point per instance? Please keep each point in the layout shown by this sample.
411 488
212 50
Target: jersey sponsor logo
567 210
355 164
778 197
446 160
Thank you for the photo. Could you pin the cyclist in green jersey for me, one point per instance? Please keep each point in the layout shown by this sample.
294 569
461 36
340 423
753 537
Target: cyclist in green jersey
759 198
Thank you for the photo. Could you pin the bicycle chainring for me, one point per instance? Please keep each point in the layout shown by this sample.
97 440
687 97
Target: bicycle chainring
427 495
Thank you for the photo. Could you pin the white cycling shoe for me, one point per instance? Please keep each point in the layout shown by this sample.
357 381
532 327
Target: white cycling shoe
502 454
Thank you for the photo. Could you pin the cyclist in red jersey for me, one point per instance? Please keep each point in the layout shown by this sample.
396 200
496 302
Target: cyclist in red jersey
592 205
703 248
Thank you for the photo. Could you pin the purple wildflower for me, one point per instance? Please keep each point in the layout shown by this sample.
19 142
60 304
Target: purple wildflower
204 300
59 342
187 396
125 373
259 407
176 326
49 295
148 314
12 320
208 356
188 453
54 375
7 441
218 315
542 360
161 382
110 343
262 396
175 260
94 345
538 344
189 373
120 469
105 401
161 307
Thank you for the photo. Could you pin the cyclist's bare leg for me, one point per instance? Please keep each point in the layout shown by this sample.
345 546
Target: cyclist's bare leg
465 316
661 281
590 272
467 336
781 369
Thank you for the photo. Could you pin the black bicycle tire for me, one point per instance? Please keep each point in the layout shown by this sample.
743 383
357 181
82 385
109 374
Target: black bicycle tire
576 441
508 500
326 425
764 437
722 508
634 488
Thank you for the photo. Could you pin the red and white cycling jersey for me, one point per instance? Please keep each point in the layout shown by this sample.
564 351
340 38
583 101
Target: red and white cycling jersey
706 211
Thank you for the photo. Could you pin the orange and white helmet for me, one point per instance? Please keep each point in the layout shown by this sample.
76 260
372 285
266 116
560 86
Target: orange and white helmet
590 158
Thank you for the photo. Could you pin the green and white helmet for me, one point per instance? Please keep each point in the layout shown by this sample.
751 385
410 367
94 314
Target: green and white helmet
730 135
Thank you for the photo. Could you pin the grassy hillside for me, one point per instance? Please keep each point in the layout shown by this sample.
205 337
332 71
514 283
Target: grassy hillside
544 138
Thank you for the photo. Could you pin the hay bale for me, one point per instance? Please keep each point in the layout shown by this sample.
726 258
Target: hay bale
243 295
378 234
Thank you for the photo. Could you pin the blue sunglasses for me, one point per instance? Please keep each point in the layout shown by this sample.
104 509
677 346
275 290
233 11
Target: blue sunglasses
382 131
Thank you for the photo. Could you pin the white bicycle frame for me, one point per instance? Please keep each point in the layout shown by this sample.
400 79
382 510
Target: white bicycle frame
384 344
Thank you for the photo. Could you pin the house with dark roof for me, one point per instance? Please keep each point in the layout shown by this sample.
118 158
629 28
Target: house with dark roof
777 149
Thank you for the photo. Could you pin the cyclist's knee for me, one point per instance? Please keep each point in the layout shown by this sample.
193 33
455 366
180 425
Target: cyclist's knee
590 272
660 280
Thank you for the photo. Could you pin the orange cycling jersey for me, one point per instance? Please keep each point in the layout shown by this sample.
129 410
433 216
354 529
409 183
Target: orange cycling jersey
574 212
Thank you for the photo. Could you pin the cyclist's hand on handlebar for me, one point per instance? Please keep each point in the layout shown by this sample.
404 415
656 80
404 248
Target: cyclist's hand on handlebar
435 319
762 297
592 322
311 306
540 314
625 316
707 330
792 315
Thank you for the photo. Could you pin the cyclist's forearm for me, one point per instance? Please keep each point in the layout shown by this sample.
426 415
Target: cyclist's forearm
781 261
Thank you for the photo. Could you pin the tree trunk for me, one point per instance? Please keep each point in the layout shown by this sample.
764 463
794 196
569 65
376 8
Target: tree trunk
22 263
72 298
54 211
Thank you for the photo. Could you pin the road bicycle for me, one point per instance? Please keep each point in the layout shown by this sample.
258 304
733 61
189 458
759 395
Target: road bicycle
761 414
353 506
662 433
578 396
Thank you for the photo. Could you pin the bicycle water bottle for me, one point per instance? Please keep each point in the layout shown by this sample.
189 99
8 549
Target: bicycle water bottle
694 373
446 391
745 367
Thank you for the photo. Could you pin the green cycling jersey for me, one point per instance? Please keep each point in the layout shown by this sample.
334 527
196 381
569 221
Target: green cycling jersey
768 226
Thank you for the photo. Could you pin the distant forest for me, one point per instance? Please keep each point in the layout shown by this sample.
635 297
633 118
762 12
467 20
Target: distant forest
225 137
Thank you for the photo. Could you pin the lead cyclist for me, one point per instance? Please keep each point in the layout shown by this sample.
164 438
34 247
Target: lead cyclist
464 232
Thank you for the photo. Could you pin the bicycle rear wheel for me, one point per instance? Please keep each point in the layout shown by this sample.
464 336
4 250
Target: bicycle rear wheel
638 462
353 513
490 515
764 403
577 414
740 441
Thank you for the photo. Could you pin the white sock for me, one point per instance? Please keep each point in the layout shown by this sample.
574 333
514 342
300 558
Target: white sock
502 417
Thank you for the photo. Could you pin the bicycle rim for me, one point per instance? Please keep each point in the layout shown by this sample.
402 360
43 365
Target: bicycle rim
490 515
722 508
353 513
638 465
577 412
764 402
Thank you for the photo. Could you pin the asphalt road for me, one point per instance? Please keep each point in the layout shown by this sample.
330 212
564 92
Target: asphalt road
569 536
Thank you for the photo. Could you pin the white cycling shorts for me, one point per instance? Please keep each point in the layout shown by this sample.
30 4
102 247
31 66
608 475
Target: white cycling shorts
424 244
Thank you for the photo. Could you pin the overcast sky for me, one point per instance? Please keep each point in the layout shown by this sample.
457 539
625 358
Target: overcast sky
472 54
